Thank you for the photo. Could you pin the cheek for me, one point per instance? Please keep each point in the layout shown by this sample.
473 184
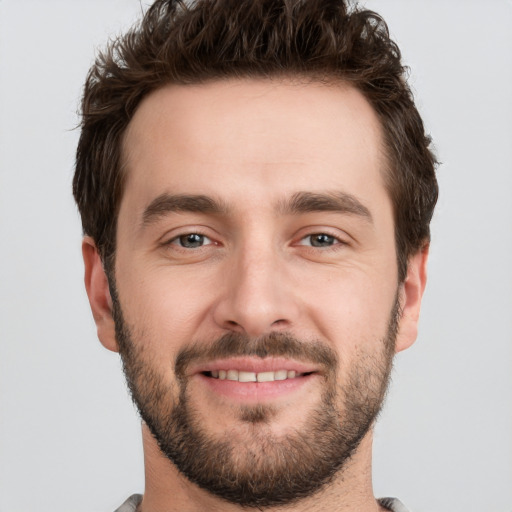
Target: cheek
165 310
352 312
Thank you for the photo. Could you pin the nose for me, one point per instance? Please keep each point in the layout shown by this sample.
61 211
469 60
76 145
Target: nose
257 296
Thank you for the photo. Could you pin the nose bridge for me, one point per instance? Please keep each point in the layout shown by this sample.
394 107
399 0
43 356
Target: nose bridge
256 299
258 274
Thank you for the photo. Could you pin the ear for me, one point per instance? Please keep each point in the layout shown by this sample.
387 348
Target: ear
96 285
411 293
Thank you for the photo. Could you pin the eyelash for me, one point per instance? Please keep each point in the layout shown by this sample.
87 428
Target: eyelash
176 239
336 245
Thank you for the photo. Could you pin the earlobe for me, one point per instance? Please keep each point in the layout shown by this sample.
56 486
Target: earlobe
96 285
411 293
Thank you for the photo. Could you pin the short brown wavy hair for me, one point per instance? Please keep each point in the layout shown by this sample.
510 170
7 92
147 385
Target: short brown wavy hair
191 42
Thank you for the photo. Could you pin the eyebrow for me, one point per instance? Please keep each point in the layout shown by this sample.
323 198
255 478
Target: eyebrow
338 202
169 203
299 203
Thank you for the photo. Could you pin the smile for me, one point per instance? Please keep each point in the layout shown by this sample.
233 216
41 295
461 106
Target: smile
245 376
249 379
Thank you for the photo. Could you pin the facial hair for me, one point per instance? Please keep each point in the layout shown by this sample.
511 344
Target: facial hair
261 469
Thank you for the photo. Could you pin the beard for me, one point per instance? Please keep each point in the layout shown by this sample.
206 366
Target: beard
255 467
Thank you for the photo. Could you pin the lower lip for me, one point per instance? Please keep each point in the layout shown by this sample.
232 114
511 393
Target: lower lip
254 392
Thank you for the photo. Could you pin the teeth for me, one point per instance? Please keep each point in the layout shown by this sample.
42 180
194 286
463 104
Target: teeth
246 376
281 375
241 376
265 377
232 375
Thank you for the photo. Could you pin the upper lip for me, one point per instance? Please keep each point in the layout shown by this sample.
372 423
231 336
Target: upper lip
253 364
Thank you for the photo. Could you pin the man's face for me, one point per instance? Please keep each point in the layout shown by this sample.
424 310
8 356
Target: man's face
256 281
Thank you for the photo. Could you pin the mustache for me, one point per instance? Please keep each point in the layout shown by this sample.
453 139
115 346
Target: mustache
276 344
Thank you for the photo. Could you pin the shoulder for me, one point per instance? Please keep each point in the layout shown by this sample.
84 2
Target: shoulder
392 504
131 504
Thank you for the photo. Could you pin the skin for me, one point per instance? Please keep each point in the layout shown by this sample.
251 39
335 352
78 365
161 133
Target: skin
252 145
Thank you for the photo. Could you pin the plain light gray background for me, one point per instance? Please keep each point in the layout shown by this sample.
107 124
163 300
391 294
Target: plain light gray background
69 436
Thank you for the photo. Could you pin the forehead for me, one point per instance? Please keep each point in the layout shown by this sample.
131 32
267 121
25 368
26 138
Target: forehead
247 137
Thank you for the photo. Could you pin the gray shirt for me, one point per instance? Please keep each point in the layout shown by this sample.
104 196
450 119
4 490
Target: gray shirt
392 504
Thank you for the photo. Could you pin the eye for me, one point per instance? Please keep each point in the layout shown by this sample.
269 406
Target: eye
319 240
191 241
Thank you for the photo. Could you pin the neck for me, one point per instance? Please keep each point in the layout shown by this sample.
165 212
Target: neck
168 490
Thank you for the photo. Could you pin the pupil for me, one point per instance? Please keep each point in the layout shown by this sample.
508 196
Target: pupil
191 240
321 240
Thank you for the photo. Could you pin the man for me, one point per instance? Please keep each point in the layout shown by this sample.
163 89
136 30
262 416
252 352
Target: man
255 187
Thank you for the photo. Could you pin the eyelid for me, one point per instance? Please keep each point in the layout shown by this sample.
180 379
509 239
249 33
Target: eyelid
337 244
177 237
341 238
174 234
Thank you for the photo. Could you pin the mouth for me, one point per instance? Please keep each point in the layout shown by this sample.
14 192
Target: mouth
246 376
255 380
